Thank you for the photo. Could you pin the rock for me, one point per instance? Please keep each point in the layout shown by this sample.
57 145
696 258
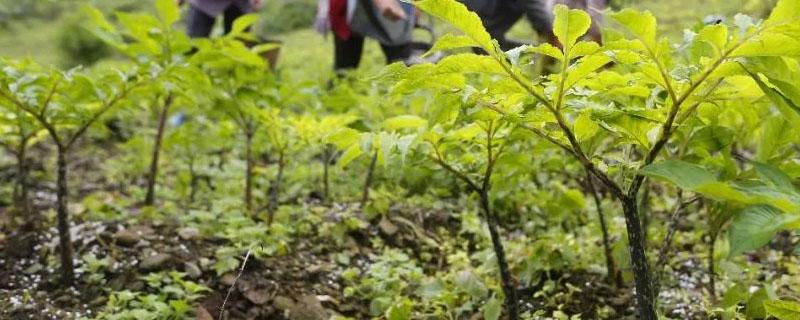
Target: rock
283 303
203 314
189 233
387 227
206 263
126 237
258 297
308 308
155 262
228 279
192 270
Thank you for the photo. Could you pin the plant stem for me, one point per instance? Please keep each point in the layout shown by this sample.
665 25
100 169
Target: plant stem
150 198
65 241
327 154
712 282
614 276
645 295
21 188
505 275
276 186
248 175
368 180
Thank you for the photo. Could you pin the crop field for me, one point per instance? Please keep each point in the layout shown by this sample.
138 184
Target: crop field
145 174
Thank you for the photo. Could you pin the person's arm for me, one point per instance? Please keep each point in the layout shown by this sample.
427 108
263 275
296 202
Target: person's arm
390 9
322 22
256 4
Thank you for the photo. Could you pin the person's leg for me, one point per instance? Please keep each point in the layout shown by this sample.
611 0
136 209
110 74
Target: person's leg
347 53
198 23
396 53
541 18
499 18
231 13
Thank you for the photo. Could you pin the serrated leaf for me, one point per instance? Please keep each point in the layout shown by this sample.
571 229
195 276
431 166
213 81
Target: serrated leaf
641 24
404 122
459 16
168 11
754 226
569 25
783 310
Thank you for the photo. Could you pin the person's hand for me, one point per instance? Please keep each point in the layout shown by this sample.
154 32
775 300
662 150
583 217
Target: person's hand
390 9
179 2
322 23
257 4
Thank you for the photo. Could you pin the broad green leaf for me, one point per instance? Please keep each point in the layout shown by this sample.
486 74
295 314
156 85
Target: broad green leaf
404 122
754 226
789 108
585 128
583 68
492 309
641 24
349 155
451 41
569 25
168 11
242 23
458 15
785 11
775 177
782 309
715 35
683 174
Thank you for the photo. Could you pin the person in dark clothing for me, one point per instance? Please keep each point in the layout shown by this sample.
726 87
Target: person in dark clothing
387 21
498 16
203 14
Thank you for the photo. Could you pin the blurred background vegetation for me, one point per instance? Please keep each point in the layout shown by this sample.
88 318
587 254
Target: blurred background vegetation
51 31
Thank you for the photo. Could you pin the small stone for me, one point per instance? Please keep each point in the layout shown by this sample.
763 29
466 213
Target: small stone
257 297
189 233
308 308
192 270
155 262
126 238
282 303
387 227
228 279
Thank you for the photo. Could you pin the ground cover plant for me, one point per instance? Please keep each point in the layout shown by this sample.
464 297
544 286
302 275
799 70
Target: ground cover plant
647 177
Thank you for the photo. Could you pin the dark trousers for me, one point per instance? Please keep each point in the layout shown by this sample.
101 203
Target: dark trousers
200 24
348 52
499 16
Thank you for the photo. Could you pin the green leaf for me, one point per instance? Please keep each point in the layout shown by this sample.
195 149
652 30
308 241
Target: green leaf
242 23
641 24
683 174
459 16
404 122
492 309
168 11
754 226
349 155
775 177
787 106
785 11
451 41
585 128
400 311
781 309
569 25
